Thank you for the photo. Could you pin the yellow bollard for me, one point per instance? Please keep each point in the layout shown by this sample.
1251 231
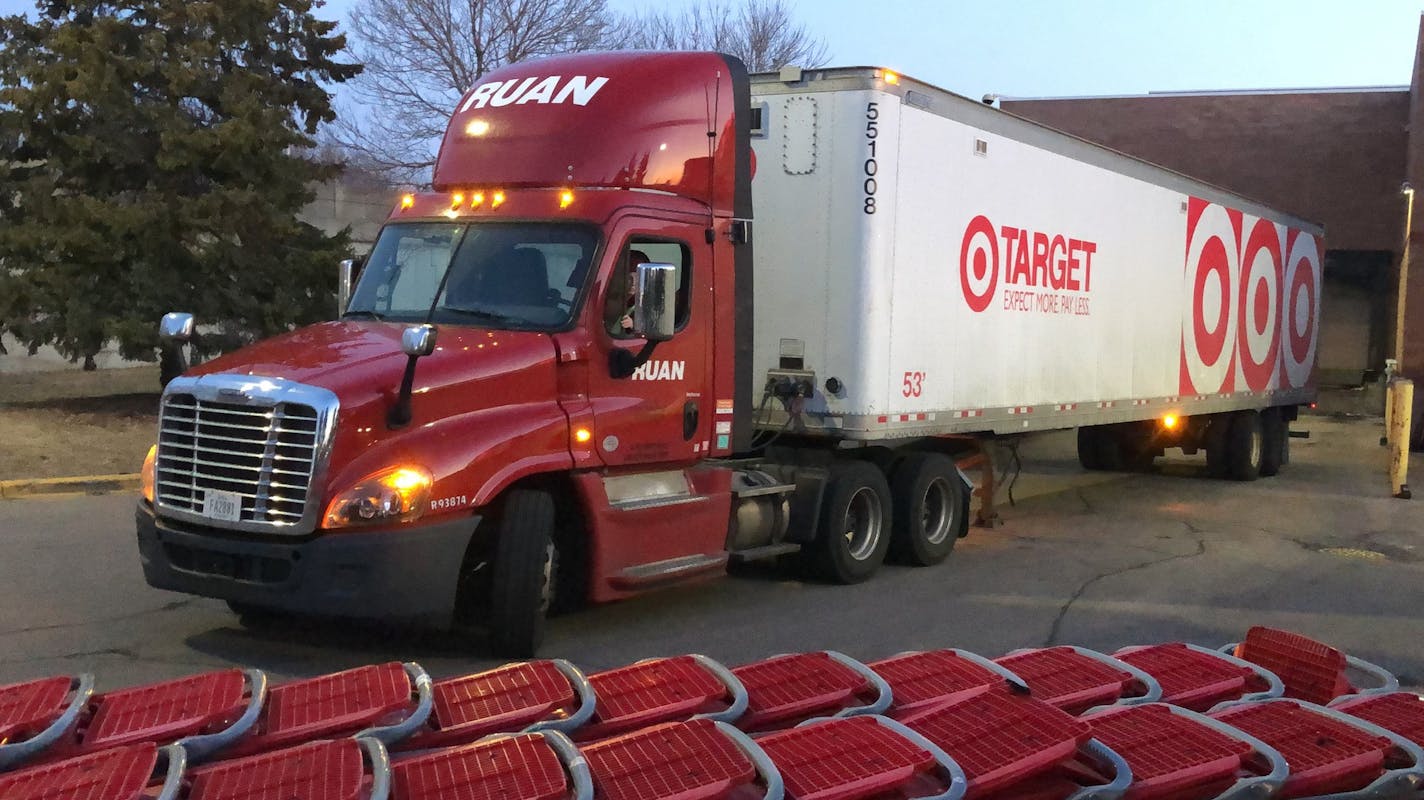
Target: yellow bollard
1402 394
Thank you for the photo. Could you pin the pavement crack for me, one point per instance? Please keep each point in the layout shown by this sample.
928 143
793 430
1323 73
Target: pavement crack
163 609
1056 628
1083 498
123 652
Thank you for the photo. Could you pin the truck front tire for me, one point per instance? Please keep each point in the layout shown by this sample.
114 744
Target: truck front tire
854 532
524 574
931 509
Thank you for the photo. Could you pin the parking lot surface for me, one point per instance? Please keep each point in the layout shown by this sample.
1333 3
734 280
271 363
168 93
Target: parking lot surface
1100 560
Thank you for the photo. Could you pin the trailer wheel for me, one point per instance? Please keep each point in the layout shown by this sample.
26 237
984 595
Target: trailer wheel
1244 446
854 532
523 579
1275 438
931 509
1089 455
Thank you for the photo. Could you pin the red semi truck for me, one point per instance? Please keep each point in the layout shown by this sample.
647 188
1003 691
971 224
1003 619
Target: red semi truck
574 370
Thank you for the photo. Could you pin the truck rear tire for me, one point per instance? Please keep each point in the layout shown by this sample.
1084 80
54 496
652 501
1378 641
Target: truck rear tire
1244 446
1275 438
524 574
1089 455
854 532
931 509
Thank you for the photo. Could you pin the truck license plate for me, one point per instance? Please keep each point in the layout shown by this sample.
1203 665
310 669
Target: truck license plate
224 506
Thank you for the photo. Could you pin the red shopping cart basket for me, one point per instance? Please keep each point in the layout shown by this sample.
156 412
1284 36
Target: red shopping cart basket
787 689
339 769
855 758
695 760
120 773
1000 738
387 702
529 766
1399 712
203 713
35 714
1311 671
662 690
1177 754
1328 751
931 677
1077 679
528 696
1197 678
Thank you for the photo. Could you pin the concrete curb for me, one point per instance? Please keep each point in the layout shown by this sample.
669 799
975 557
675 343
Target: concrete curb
84 484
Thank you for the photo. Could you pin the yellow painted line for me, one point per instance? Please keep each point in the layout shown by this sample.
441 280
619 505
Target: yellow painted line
84 484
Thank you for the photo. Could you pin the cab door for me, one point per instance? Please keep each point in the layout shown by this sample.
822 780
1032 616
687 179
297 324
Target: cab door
661 414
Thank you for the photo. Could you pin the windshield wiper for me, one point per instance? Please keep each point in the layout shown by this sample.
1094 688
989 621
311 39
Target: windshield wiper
363 313
486 315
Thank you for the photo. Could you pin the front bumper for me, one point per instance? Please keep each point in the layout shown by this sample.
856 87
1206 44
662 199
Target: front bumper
407 574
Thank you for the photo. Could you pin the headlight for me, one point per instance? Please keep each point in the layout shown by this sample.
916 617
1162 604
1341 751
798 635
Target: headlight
399 494
149 474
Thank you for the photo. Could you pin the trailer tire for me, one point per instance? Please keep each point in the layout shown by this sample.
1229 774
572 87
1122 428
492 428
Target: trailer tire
930 511
1089 455
1275 438
854 532
524 573
1244 446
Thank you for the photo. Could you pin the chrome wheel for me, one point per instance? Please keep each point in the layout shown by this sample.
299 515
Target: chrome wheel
862 523
937 512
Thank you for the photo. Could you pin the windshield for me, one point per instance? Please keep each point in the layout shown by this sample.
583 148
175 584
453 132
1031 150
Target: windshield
500 274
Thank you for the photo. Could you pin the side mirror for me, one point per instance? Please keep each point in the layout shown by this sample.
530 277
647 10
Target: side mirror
418 341
347 273
655 302
176 326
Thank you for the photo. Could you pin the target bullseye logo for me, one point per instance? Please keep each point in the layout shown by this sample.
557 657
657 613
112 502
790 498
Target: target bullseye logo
1251 303
979 263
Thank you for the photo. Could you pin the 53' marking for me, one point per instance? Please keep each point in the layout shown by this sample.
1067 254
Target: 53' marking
913 385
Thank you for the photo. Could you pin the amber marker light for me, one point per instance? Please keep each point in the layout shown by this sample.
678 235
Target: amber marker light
566 198
457 199
149 476
477 127
891 77
407 202
477 199
583 435
497 199
1170 421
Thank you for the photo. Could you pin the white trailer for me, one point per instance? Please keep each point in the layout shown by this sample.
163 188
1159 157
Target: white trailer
945 267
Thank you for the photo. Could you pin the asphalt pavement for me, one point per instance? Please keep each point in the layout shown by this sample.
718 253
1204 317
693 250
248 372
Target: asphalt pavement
1100 560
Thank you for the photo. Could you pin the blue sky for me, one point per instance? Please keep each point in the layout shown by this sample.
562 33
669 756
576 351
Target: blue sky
1058 47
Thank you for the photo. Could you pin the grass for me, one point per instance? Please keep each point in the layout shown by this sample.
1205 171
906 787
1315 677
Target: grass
69 423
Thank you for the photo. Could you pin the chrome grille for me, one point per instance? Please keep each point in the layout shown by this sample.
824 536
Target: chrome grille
265 454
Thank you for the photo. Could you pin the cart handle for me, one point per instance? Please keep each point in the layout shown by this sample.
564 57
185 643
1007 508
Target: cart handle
996 668
380 766
1388 682
1154 689
200 746
1274 686
573 761
424 690
1244 788
1122 774
588 702
177 759
770 775
958 783
884 695
12 755
734 686
1393 783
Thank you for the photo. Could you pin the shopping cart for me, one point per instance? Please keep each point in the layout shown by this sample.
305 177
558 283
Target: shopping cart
387 702
528 696
856 758
120 773
35 714
1399 712
1077 679
1311 671
204 713
1330 753
1005 739
338 769
1198 678
530 766
787 689
931 677
662 690
699 759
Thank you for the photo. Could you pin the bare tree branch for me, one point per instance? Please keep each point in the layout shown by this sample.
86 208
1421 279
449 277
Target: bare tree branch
762 33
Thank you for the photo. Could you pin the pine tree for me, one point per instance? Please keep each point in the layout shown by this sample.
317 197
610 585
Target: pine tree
153 157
